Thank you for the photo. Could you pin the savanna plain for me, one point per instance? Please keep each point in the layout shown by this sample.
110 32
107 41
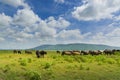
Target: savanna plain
54 66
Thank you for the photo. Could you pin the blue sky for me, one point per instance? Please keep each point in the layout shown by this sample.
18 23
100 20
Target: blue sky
29 23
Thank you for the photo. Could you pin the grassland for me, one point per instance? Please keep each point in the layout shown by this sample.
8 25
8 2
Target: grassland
56 67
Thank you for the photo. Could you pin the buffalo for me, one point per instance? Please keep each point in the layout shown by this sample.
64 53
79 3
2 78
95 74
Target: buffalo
109 52
17 51
95 52
28 52
58 52
84 52
66 53
76 52
40 53
71 52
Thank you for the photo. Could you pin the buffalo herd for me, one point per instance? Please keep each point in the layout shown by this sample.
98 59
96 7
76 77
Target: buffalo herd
37 52
90 52
70 52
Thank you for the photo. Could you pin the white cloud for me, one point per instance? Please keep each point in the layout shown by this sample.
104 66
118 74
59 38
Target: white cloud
1 39
70 35
96 9
25 17
60 23
117 18
59 1
110 38
5 20
15 3
114 33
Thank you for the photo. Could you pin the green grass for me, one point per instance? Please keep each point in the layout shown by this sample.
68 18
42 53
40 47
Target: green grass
56 67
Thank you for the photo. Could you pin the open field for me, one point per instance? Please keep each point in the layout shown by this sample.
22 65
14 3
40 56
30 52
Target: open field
56 67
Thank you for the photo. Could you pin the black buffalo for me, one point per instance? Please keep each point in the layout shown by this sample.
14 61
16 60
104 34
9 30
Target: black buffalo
38 54
84 52
28 52
58 52
42 53
17 51
95 52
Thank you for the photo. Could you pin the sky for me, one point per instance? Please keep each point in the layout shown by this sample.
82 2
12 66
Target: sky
29 23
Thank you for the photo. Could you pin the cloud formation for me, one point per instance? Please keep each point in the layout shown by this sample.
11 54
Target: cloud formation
59 1
15 3
96 10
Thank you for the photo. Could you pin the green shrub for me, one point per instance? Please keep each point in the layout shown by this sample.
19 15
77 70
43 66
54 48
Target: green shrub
29 60
87 68
23 62
32 76
54 57
111 61
6 68
47 65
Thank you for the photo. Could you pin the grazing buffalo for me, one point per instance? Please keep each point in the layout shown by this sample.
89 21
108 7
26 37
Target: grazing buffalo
66 53
84 52
19 52
75 52
38 54
42 53
28 52
96 52
58 52
108 52
15 51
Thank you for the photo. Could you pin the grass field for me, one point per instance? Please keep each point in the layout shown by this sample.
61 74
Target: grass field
56 67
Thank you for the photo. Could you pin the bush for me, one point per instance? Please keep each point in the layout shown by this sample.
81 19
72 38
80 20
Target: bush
29 60
87 68
32 76
47 65
6 68
54 57
23 63
111 61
